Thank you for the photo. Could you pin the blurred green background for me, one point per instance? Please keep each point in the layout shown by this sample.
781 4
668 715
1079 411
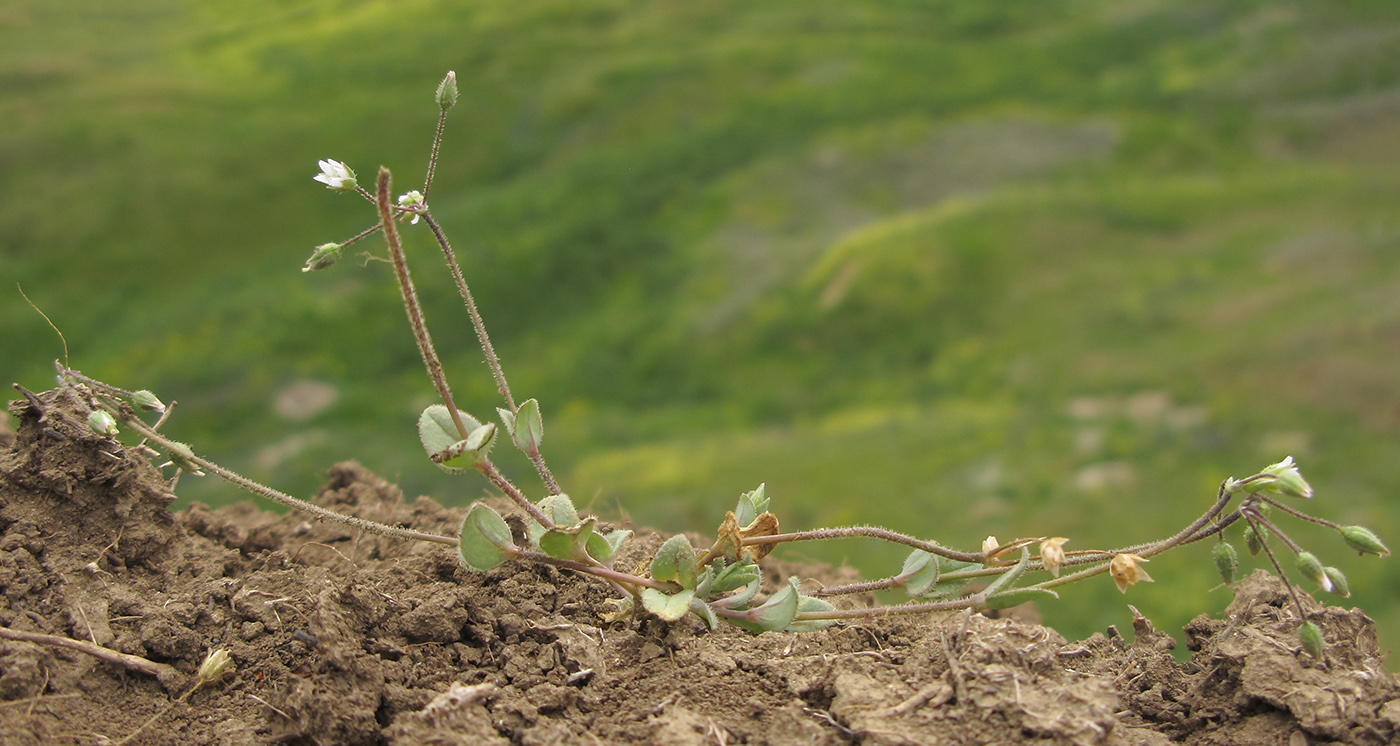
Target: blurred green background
1025 267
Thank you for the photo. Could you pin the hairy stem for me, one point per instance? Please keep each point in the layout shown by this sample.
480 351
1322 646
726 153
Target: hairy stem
490 471
872 532
1300 514
1292 592
281 497
433 158
1256 518
410 300
621 578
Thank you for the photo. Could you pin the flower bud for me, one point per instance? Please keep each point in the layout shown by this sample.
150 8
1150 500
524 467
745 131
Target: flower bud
181 455
1254 539
1126 571
1363 541
1311 636
1053 554
1227 560
447 91
1340 586
102 423
1286 480
144 399
324 256
1311 568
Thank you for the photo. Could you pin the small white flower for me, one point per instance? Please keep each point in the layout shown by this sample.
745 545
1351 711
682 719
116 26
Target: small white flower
412 199
336 175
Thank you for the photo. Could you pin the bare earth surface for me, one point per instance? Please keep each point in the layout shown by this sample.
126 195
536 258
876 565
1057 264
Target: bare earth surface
341 639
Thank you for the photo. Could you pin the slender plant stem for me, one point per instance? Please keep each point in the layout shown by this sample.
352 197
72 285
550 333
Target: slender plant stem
1292 592
621 578
1300 514
875 611
873 532
490 471
492 360
433 158
866 587
410 301
93 382
1254 516
281 497
360 235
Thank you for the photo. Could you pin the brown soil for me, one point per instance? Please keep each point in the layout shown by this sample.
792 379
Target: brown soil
340 639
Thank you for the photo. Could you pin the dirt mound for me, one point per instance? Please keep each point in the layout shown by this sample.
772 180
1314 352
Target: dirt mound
346 639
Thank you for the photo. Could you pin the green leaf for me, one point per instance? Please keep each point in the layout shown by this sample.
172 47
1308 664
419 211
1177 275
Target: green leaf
668 607
568 543
919 574
810 604
529 427
778 611
944 588
1009 578
703 610
507 419
559 509
440 439
484 541
751 506
1016 597
603 547
742 598
675 560
741 573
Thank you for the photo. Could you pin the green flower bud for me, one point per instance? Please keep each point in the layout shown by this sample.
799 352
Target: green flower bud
1311 637
324 256
102 423
144 399
1254 540
1286 480
1340 586
1311 568
1363 541
1227 560
181 455
447 91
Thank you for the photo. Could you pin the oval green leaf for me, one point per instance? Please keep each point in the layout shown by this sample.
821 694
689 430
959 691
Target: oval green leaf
484 541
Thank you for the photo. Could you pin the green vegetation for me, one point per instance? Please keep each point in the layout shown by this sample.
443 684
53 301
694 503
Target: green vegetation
1019 268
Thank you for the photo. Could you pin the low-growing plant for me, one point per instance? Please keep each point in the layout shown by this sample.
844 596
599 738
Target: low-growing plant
721 582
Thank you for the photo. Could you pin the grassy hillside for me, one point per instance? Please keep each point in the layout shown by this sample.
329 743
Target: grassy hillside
961 268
